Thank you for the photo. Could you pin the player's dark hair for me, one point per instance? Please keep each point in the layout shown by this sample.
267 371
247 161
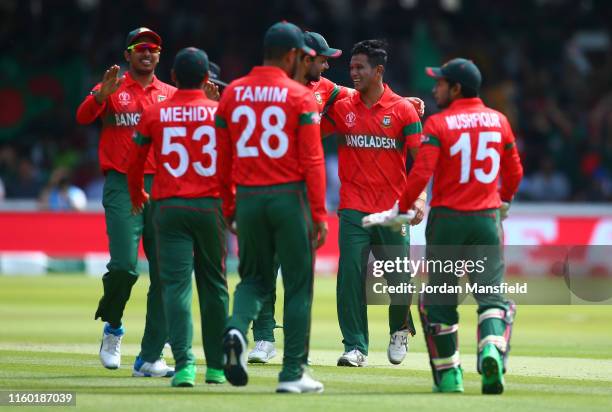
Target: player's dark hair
466 92
188 80
275 53
376 50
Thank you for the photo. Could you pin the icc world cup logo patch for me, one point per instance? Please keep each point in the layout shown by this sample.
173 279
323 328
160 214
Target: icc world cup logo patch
124 98
350 119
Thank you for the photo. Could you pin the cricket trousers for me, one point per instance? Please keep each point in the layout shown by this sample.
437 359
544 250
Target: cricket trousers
276 221
264 325
124 231
468 236
356 244
190 237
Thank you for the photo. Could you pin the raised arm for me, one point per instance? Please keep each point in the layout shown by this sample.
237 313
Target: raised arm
95 103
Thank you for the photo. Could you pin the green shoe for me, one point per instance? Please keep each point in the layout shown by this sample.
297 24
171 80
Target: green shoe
216 376
451 381
492 370
185 377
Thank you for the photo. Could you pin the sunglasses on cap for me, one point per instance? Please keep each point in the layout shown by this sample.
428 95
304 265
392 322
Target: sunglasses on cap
141 47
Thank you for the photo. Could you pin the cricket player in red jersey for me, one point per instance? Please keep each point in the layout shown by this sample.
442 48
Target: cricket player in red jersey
326 93
270 151
190 228
467 148
376 129
118 102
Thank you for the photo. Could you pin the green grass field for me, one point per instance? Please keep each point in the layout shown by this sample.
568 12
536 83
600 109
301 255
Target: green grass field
561 358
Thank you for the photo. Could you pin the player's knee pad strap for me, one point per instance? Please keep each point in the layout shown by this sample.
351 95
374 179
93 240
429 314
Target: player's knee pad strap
501 342
433 332
441 364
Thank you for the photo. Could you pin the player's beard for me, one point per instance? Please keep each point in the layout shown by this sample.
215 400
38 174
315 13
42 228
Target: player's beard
294 69
312 76
143 72
444 102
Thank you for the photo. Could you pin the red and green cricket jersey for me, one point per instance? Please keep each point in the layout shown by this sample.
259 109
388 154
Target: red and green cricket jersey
467 148
120 114
372 148
181 131
268 133
327 93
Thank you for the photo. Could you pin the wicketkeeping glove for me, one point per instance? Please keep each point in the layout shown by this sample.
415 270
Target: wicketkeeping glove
389 218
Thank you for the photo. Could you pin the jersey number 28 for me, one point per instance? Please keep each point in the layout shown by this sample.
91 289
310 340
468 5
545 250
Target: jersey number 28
463 146
269 129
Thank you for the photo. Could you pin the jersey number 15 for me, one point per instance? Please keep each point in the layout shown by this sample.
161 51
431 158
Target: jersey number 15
463 146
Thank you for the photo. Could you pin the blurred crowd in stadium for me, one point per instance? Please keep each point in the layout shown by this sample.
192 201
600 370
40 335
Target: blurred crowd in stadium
547 64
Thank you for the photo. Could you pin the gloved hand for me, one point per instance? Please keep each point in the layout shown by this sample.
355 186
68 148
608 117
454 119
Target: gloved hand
389 218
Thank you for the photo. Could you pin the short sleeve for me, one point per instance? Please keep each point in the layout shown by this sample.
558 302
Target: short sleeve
430 133
412 128
309 111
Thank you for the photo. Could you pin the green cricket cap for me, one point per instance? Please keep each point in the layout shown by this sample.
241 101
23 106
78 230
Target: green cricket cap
459 70
141 32
318 43
285 34
191 63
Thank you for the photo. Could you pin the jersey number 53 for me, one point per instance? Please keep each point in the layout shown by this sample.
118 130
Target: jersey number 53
170 146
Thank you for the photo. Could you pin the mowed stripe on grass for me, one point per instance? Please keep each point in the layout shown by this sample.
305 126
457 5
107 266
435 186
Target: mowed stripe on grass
521 366
371 388
562 358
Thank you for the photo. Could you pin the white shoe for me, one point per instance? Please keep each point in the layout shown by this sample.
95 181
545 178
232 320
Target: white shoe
157 369
303 385
398 347
234 348
353 358
262 352
110 348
